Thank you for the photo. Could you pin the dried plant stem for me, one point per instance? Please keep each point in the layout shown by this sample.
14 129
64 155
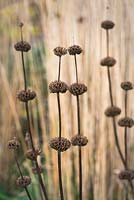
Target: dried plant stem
79 132
59 153
125 133
20 172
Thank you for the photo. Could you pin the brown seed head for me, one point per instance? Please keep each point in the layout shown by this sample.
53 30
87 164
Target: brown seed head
108 61
126 174
126 85
77 88
60 51
60 144
31 155
23 181
75 49
112 111
20 24
126 122
34 170
79 140
26 95
107 24
13 144
22 46
58 87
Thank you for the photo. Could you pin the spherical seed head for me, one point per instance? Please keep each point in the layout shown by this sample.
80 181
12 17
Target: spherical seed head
126 122
77 88
34 170
108 61
26 95
126 175
112 111
60 51
60 144
22 46
23 181
79 140
58 87
32 155
75 49
13 144
20 24
126 85
107 24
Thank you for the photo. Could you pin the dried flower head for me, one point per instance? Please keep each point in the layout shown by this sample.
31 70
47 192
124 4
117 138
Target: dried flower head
32 155
14 144
126 122
22 46
77 88
23 181
60 144
34 170
60 51
26 95
112 111
107 24
126 85
58 87
79 140
108 61
126 174
20 24
75 49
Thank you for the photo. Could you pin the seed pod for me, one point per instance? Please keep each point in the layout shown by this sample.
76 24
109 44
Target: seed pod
126 122
23 181
26 95
77 88
112 111
60 144
126 85
22 46
107 24
58 87
34 170
14 144
79 140
126 174
75 49
60 51
31 155
108 62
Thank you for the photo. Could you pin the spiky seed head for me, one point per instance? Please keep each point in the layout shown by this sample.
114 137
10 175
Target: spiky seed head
79 140
60 51
13 144
108 62
58 87
26 95
60 144
75 49
31 154
107 24
77 88
126 175
112 111
23 181
22 46
126 85
34 170
126 122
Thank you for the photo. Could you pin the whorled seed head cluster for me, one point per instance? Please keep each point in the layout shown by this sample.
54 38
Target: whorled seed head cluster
126 122
79 140
58 87
107 24
60 51
26 95
60 144
75 49
126 85
22 46
31 154
23 181
112 111
13 144
108 62
126 174
77 88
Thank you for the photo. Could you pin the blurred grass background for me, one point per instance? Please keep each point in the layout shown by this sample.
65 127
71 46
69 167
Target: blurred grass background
51 23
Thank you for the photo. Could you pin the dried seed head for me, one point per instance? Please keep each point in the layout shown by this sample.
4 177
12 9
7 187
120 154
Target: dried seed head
107 24
126 85
34 170
20 24
31 155
126 122
77 88
23 181
108 61
79 140
14 144
26 95
75 49
22 46
58 86
112 111
60 144
60 51
126 174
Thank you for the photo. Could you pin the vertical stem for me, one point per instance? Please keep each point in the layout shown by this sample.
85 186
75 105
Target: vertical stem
60 176
76 69
125 132
59 111
78 113
24 71
59 68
